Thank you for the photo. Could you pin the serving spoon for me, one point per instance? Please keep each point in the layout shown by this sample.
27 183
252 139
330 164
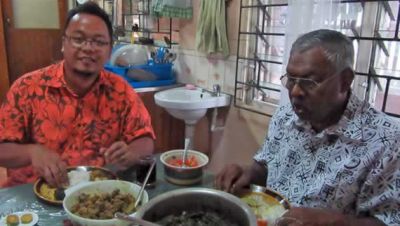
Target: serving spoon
139 197
187 142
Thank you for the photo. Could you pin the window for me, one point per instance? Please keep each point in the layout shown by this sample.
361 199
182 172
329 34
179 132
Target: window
372 25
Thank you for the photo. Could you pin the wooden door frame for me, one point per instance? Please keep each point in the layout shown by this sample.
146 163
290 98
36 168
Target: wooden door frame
4 80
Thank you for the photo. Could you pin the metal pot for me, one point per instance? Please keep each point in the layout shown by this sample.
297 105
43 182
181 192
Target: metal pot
175 202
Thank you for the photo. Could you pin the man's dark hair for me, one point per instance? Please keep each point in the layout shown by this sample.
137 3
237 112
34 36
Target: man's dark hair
93 9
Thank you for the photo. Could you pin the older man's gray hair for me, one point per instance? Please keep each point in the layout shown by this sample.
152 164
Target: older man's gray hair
337 47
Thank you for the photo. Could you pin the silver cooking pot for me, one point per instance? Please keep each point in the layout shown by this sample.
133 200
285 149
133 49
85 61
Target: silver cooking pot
175 202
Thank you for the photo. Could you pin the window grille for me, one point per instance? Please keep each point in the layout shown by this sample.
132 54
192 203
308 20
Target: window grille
373 25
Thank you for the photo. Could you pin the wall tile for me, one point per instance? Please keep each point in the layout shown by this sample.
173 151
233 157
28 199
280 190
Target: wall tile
229 77
216 72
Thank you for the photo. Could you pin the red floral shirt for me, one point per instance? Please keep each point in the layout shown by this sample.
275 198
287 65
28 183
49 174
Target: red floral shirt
41 109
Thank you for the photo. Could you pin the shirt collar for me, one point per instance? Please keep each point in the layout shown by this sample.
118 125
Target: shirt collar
55 79
354 108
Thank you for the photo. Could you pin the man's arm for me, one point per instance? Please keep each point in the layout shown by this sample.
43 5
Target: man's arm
14 155
258 173
45 163
142 146
322 217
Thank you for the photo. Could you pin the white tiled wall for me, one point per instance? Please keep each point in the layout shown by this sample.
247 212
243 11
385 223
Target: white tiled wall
196 68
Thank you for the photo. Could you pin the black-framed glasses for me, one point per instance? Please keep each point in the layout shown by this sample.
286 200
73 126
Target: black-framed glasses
306 84
79 42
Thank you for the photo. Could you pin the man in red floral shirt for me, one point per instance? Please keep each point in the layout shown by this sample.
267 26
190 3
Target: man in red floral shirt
74 112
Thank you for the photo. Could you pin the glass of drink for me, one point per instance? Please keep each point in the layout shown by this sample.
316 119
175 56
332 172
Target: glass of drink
142 169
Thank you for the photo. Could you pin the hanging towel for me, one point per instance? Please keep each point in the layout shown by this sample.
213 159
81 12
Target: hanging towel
172 8
211 28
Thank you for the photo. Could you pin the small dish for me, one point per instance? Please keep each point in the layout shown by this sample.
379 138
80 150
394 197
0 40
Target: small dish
268 205
100 188
46 193
35 218
192 173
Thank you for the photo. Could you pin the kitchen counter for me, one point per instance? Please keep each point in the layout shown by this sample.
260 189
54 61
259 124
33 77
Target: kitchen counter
157 88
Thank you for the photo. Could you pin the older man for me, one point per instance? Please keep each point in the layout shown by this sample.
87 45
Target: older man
73 112
333 156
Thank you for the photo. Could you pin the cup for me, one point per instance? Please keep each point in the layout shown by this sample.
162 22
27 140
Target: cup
142 169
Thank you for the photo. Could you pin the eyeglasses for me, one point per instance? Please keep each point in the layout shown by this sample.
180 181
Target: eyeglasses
306 84
79 42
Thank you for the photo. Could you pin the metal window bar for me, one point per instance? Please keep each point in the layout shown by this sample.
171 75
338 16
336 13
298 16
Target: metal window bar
377 40
140 14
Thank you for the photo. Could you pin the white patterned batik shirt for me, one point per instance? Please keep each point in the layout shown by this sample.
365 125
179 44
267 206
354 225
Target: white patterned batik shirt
352 167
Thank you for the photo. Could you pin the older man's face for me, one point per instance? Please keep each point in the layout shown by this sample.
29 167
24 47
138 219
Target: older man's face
316 103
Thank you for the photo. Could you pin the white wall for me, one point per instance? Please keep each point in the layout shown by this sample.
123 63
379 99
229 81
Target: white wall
244 131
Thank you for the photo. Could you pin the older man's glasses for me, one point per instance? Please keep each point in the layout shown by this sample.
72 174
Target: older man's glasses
306 84
79 42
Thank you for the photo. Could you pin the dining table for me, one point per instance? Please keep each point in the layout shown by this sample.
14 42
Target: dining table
22 197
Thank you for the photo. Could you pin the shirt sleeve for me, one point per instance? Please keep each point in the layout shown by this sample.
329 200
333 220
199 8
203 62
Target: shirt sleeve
137 122
380 194
13 115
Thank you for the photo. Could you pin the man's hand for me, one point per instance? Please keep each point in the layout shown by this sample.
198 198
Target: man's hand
297 216
124 156
118 154
233 178
48 164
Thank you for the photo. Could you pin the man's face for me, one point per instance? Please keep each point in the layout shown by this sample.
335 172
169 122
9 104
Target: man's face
317 103
86 44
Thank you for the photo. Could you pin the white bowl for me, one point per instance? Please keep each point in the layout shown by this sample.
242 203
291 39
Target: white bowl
184 175
108 186
130 55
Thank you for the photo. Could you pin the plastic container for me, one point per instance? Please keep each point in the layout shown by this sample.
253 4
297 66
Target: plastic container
163 72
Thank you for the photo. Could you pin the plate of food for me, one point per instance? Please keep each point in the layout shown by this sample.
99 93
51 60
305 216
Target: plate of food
268 205
77 175
23 218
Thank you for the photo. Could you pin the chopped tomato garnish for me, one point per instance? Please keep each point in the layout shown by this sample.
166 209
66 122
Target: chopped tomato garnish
191 161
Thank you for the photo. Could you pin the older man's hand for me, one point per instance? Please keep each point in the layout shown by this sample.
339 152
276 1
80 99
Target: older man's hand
233 178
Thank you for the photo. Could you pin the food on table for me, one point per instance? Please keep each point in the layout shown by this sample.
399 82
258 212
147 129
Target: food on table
26 218
48 192
103 205
96 175
77 176
196 218
12 220
264 206
191 161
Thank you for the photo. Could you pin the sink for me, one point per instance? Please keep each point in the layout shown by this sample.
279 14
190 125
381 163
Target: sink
189 105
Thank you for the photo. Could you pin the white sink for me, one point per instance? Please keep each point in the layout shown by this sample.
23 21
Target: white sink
189 104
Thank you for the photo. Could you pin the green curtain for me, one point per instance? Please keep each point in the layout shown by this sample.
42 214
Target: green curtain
211 28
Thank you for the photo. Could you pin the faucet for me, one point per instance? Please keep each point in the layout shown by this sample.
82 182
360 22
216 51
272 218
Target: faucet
216 90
